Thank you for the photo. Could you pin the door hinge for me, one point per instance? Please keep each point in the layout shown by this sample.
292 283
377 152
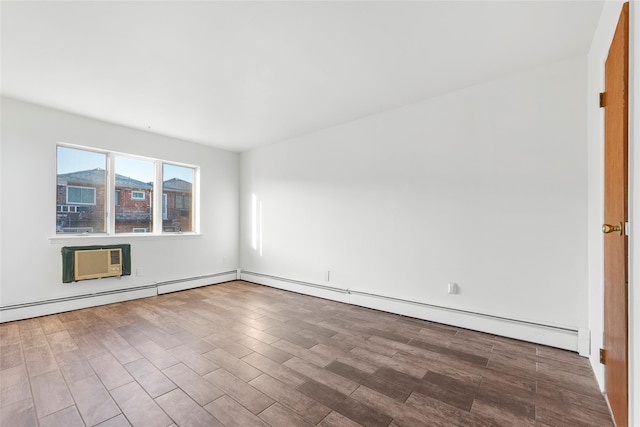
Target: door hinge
603 356
602 100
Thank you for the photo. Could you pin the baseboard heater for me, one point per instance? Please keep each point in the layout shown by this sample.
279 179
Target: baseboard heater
111 292
190 279
298 282
416 303
75 297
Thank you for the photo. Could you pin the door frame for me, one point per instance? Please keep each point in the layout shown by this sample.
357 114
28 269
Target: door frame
634 213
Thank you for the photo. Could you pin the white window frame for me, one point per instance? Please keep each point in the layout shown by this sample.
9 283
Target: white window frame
159 209
81 188
144 197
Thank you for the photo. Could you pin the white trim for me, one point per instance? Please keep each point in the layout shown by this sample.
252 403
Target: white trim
564 337
181 285
85 301
98 238
584 342
60 305
634 214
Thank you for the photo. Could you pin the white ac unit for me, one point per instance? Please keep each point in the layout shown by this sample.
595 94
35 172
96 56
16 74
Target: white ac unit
95 263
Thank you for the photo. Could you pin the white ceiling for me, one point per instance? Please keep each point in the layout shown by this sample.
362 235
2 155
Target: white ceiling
238 75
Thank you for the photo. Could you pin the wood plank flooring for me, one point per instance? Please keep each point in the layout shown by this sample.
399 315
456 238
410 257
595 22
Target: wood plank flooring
240 354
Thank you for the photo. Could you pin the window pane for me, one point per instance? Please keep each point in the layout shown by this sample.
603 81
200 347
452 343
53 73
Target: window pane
81 182
134 192
177 189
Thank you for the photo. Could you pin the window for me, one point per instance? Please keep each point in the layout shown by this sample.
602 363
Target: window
102 192
80 191
81 195
67 208
177 190
183 202
134 178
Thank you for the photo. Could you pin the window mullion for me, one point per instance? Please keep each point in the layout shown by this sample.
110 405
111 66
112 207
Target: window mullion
111 191
157 198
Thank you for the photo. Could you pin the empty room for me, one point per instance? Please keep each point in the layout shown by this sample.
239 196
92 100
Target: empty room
331 213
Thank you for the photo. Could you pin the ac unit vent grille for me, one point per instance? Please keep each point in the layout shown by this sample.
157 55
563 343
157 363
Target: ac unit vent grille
93 264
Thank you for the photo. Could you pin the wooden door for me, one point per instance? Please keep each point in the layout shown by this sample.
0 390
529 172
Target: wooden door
615 214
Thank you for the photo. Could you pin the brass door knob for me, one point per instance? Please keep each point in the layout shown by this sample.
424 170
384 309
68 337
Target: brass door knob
606 228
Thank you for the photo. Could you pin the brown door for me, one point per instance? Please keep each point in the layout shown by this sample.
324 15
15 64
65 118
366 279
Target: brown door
615 214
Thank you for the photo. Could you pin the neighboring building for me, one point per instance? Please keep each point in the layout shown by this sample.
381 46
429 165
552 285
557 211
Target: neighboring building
177 205
80 204
133 201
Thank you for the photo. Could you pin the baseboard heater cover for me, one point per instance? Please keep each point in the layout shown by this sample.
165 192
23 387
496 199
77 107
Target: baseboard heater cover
74 302
195 282
76 297
298 282
546 334
207 276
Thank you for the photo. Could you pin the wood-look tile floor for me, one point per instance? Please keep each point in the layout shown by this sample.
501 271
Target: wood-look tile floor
240 354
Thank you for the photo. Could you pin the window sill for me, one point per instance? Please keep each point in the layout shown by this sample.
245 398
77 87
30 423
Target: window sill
99 238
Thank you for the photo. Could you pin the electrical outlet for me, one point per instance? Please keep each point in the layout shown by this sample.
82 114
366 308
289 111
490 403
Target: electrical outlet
327 277
452 288
139 271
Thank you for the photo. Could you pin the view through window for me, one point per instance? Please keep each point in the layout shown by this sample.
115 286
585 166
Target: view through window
84 186
177 198
134 194
80 191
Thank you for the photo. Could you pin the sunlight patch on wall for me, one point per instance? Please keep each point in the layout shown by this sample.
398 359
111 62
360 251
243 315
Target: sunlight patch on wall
256 224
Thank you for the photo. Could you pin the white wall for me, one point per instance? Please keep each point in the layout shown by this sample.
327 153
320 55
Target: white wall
485 187
31 263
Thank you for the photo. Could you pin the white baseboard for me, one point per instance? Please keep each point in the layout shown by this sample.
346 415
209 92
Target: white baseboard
573 339
196 282
320 291
568 338
76 302
44 308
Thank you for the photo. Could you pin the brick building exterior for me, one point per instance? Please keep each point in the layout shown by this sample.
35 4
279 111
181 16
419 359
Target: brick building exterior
80 204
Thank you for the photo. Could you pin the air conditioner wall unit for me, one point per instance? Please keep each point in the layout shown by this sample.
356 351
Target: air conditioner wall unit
96 263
